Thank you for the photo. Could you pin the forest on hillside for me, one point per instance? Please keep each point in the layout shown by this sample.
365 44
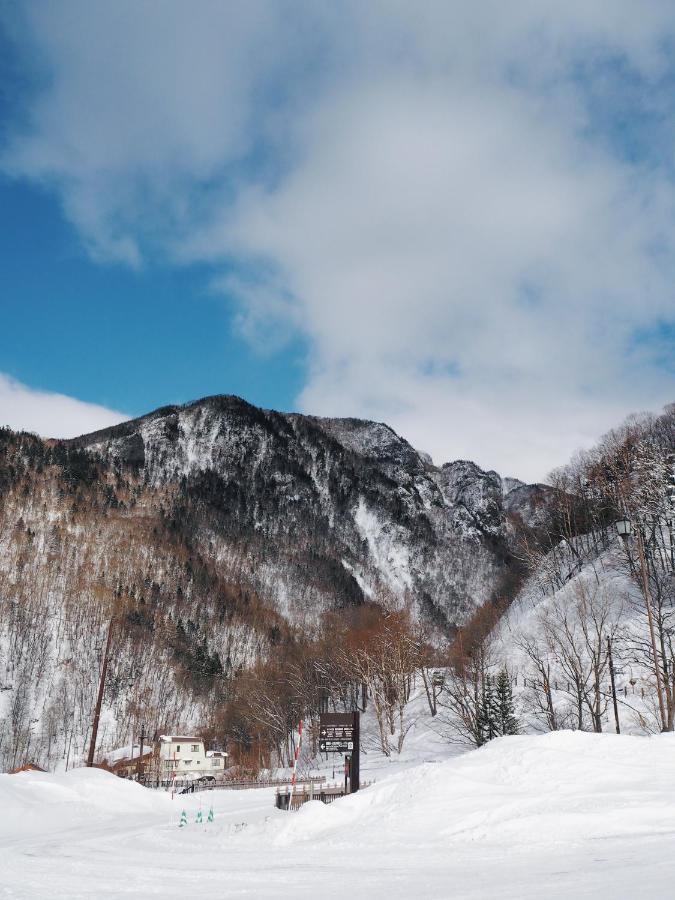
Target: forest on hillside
90 545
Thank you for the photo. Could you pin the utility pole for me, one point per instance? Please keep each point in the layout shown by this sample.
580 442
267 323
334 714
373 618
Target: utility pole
355 760
650 618
140 752
101 691
611 676
142 740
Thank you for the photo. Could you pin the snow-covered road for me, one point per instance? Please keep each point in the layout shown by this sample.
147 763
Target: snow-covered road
557 816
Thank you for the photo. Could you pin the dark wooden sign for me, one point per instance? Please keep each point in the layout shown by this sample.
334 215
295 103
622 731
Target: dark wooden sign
339 733
335 745
336 732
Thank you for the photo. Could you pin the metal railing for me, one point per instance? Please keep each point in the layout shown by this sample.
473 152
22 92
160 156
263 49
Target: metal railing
303 793
183 785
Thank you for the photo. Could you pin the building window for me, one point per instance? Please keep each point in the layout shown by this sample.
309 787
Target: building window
195 748
178 749
215 763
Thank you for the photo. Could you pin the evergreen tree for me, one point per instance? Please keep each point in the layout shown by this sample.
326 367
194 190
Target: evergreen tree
486 718
504 711
495 714
491 710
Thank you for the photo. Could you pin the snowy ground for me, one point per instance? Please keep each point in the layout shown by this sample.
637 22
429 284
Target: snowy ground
559 815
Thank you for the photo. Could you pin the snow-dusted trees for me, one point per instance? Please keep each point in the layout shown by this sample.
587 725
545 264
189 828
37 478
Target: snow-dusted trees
356 659
629 475
460 701
78 536
566 655
382 652
537 680
656 597
476 703
633 474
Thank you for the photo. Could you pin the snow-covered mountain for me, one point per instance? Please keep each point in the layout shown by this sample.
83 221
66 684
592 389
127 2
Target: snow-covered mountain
217 531
331 511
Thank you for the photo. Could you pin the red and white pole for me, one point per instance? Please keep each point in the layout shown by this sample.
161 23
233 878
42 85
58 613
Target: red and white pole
295 767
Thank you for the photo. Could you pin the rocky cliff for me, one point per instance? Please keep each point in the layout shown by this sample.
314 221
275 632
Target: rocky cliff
317 513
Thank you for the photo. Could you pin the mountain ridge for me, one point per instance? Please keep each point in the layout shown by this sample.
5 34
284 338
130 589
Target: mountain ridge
355 478
327 423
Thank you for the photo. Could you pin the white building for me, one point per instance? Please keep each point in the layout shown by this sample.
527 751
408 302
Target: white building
186 757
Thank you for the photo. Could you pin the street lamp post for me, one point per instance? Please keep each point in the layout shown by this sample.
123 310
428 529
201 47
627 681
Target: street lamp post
624 529
613 683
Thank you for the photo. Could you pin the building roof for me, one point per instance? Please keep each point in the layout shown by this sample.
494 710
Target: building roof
169 738
128 761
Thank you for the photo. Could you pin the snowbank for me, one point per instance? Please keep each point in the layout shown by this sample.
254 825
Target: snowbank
39 803
522 791
563 814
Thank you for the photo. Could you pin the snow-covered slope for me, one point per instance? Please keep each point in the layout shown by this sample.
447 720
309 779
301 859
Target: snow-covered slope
554 638
561 815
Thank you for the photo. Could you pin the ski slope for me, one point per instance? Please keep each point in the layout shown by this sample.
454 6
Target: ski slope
560 815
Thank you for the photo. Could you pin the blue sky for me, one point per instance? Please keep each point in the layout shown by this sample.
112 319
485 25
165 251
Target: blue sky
455 218
131 340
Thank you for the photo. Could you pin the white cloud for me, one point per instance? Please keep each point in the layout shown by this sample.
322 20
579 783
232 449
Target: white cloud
49 414
142 102
424 191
